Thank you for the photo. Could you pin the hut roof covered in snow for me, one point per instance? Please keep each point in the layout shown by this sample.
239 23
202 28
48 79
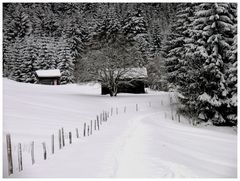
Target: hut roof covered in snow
136 73
48 73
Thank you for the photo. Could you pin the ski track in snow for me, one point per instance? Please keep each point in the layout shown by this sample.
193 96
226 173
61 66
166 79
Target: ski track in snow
143 144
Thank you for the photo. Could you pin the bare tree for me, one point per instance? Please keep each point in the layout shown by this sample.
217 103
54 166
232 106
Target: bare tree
111 63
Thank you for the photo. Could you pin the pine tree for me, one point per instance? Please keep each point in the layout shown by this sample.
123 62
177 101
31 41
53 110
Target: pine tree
66 62
134 25
211 39
135 28
231 73
19 23
47 53
28 58
174 49
15 62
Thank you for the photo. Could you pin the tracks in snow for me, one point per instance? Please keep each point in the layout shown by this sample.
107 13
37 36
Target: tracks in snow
131 154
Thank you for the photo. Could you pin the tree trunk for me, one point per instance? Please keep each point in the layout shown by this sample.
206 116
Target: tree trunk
110 92
114 88
115 91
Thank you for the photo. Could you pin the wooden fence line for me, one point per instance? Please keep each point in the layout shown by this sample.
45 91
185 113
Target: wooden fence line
52 143
44 151
70 138
84 129
32 152
95 124
63 138
77 134
87 131
91 128
60 139
20 164
9 154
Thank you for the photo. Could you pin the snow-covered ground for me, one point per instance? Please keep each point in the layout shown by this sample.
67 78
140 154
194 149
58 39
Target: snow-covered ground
142 144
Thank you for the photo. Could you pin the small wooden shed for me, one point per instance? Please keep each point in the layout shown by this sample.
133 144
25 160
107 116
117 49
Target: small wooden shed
137 77
48 77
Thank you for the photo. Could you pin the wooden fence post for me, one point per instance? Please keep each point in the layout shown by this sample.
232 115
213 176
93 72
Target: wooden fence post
172 113
20 165
91 128
84 130
52 143
97 118
70 138
44 151
179 118
98 124
9 154
88 130
77 134
136 107
63 138
104 116
60 139
32 152
95 124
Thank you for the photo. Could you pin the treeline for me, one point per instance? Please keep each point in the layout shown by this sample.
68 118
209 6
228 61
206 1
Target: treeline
57 35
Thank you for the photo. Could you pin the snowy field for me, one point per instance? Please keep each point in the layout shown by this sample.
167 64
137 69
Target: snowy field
143 144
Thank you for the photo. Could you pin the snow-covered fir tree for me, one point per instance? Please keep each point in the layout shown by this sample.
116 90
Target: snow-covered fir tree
174 49
28 58
231 73
135 28
47 53
65 62
211 38
18 24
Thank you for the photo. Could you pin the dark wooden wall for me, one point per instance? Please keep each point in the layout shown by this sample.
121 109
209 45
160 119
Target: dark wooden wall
137 87
48 80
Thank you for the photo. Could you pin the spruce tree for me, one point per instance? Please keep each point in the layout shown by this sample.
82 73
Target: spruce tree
135 28
211 38
65 62
231 73
28 58
174 49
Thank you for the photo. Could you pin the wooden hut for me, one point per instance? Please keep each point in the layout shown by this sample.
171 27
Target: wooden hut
48 77
137 78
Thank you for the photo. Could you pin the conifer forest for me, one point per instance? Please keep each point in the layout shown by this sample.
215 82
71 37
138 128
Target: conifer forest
187 48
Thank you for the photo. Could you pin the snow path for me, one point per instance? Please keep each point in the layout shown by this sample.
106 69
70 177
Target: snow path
168 150
143 144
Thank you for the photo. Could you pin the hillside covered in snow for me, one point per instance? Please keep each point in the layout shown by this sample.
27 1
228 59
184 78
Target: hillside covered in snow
139 139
